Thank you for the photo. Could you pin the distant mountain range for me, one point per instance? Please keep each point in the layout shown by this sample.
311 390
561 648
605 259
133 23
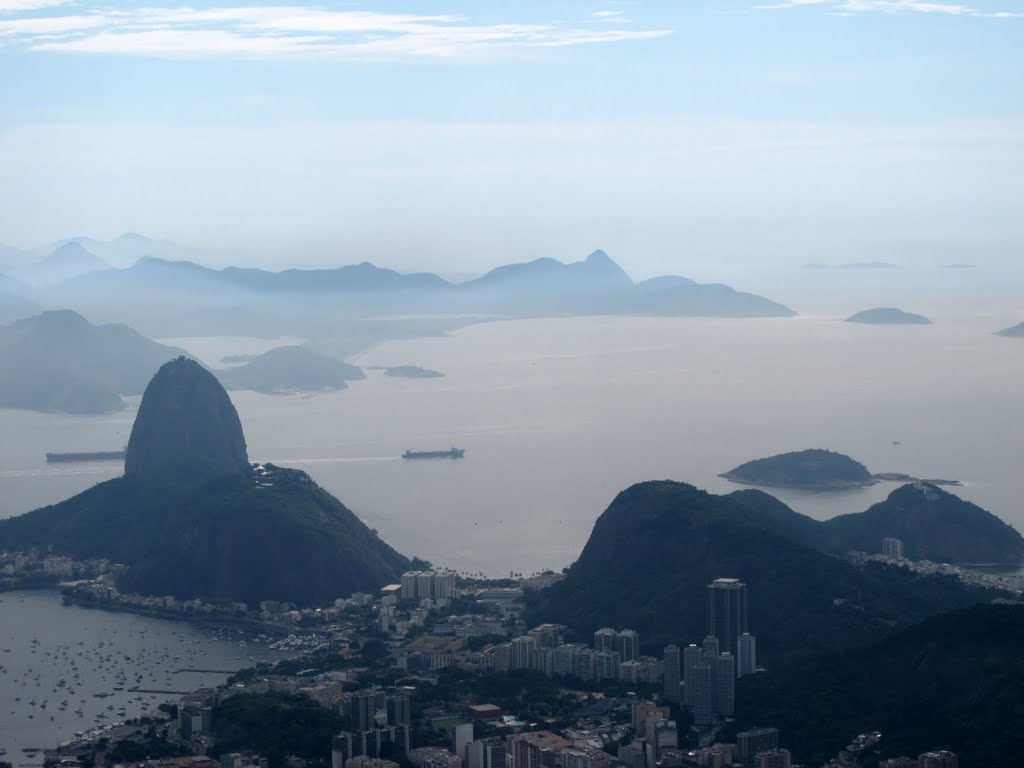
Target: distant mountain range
66 261
182 297
14 300
122 251
654 550
59 361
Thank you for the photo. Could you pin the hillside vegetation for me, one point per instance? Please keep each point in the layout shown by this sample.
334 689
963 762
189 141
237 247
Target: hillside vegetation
955 682
657 546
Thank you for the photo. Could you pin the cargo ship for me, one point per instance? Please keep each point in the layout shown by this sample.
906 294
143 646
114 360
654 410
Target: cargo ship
453 453
52 458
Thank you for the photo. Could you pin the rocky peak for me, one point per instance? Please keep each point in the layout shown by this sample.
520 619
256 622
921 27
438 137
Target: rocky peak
187 426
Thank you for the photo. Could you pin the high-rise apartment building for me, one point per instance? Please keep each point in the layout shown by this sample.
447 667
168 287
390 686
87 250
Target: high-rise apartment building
522 652
892 547
606 639
725 685
692 656
939 759
727 612
710 647
700 680
773 758
399 710
463 738
746 655
628 644
673 673
749 743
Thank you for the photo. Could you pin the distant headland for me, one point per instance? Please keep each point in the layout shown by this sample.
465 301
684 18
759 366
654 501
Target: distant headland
1015 331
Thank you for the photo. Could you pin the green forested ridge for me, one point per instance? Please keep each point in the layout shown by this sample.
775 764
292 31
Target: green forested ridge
657 546
954 681
278 536
933 525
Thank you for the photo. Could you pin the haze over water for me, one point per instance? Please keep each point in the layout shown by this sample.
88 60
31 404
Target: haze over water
559 415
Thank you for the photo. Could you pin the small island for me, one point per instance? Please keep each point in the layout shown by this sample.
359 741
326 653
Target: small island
407 371
812 469
290 369
1016 331
817 469
888 316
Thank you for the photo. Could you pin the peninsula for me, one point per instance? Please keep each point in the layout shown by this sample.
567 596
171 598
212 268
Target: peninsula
1015 331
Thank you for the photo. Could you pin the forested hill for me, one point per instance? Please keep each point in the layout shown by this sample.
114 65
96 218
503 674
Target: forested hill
657 546
955 682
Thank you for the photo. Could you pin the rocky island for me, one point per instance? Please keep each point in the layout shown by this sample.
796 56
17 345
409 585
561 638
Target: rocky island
290 369
817 469
192 517
812 469
888 316
407 372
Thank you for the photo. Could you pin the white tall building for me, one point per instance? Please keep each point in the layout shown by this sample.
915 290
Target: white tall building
628 643
892 547
463 738
606 639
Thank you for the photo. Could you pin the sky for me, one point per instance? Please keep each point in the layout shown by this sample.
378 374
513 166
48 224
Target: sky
455 136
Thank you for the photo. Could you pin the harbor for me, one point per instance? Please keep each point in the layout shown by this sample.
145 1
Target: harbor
66 670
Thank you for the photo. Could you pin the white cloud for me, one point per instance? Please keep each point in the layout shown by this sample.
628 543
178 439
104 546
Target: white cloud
18 6
48 25
892 7
273 31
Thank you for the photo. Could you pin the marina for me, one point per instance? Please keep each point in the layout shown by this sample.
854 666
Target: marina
66 669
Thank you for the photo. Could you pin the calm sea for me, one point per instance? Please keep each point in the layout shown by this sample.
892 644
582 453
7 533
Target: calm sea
559 415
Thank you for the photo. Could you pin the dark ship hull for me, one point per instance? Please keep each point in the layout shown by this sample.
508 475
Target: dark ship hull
454 453
53 458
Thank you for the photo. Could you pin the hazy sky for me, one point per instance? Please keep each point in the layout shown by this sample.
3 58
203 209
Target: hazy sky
459 135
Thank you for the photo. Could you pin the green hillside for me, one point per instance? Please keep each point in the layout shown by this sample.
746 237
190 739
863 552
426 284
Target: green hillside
275 535
955 681
654 550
